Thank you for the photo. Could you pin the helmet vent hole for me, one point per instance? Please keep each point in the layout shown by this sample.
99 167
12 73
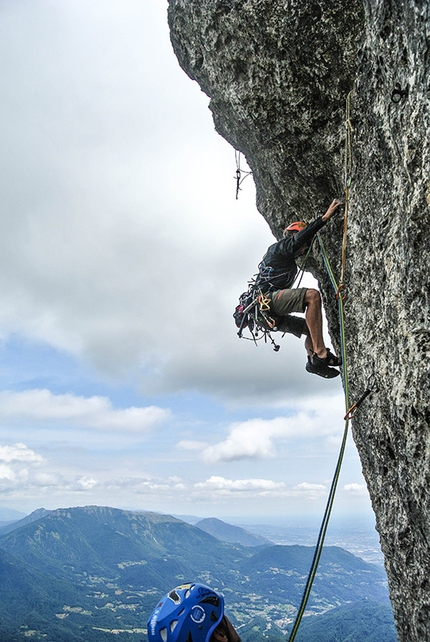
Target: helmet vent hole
174 596
163 634
173 625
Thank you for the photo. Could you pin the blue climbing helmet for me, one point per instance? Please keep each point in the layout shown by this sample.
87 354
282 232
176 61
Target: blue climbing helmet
188 613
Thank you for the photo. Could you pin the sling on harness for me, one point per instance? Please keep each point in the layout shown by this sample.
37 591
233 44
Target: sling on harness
253 311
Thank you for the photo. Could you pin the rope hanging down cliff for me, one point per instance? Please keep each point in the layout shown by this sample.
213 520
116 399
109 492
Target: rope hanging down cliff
326 517
371 385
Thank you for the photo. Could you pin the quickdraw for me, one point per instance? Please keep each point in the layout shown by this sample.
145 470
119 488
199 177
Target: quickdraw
372 386
239 178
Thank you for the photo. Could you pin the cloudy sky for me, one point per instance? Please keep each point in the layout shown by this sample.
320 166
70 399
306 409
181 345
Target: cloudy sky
122 254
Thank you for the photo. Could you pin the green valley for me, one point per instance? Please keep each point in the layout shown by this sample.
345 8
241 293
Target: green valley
86 574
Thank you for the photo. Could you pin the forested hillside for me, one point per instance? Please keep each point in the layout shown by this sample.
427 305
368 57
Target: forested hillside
84 573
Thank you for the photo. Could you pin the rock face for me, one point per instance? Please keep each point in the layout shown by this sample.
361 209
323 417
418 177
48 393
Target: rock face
278 74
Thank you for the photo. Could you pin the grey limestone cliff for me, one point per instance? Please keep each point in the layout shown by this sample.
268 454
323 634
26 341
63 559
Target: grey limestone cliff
278 74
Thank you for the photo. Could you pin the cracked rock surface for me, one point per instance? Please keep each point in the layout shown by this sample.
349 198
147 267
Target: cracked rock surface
278 74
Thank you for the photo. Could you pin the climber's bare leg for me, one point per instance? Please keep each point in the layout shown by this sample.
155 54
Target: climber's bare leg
308 343
314 341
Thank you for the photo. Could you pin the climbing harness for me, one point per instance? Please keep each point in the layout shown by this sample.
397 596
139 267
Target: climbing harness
240 173
371 383
254 313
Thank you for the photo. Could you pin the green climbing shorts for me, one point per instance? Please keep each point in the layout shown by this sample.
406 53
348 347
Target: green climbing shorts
285 301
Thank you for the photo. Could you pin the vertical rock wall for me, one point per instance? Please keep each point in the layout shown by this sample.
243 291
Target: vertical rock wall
278 74
388 312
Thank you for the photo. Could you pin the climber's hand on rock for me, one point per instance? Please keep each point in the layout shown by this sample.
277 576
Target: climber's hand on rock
331 210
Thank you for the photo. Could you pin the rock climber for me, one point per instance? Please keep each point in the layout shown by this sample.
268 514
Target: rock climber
280 269
191 612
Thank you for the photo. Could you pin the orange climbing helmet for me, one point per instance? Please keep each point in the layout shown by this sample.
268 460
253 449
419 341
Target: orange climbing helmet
297 226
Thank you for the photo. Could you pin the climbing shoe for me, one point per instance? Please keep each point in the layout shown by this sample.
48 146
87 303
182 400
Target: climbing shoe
321 370
329 360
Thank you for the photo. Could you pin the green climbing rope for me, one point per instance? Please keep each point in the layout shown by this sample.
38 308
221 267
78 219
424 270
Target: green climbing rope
340 297
332 493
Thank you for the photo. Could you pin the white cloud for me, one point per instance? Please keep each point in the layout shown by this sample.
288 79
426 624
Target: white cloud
26 476
87 482
45 479
251 440
123 245
122 240
94 412
17 464
309 491
256 438
6 472
309 487
220 484
217 487
356 489
19 453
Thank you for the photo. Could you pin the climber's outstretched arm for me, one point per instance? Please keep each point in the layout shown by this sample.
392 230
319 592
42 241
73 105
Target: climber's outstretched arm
331 210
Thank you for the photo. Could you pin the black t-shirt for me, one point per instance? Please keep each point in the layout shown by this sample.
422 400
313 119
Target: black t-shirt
278 268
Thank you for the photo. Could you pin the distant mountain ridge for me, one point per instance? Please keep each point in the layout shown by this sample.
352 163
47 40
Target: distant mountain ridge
10 515
116 564
37 514
75 538
229 533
